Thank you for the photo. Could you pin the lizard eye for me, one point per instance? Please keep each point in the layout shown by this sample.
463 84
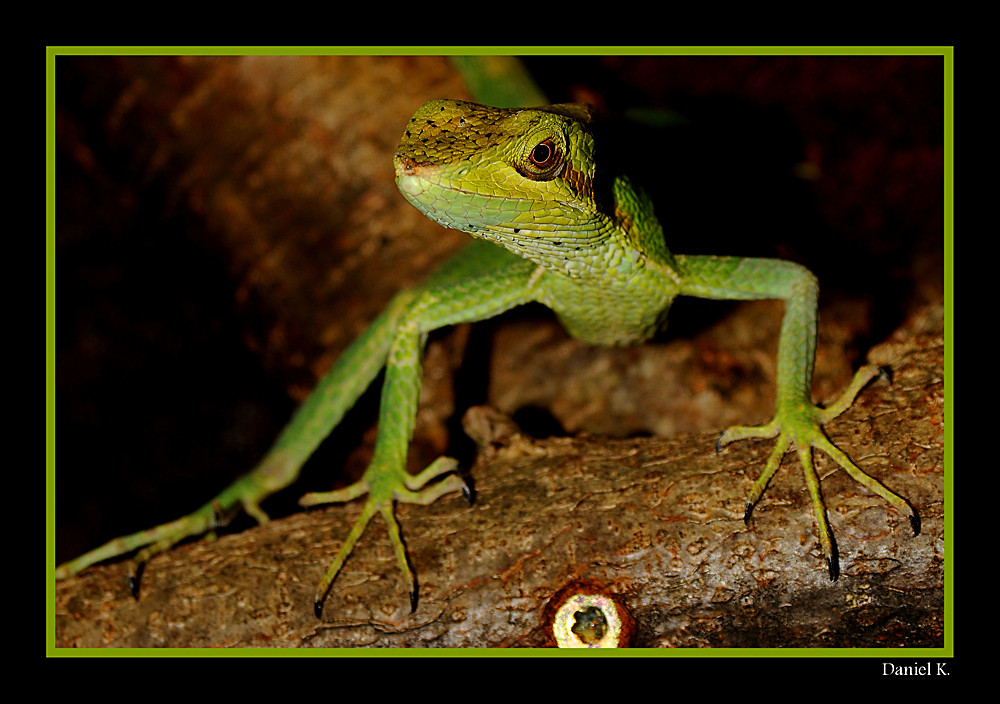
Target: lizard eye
544 161
543 154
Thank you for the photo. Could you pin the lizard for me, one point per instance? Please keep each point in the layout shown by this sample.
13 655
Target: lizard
551 223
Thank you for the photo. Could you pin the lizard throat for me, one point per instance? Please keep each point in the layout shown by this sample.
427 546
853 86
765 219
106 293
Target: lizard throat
557 235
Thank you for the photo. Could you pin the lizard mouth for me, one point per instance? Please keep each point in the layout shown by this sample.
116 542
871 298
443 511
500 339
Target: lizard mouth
408 166
418 181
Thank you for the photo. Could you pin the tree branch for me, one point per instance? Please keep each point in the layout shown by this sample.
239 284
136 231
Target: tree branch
657 522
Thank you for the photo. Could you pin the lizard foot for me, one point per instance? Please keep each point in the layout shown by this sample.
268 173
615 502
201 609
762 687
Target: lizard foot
244 493
385 487
801 425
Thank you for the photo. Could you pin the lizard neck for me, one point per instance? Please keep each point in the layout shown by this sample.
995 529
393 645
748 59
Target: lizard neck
624 238
637 227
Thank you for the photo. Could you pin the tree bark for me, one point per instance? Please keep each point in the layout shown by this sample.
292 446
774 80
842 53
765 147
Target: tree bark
656 522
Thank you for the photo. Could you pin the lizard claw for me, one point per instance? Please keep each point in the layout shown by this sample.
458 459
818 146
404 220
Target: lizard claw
833 561
134 576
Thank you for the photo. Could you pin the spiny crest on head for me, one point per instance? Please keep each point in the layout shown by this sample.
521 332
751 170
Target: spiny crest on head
448 130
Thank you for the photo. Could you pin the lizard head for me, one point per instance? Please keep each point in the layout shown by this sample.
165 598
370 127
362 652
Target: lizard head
523 178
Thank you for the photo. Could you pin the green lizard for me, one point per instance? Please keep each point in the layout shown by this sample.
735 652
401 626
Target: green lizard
551 225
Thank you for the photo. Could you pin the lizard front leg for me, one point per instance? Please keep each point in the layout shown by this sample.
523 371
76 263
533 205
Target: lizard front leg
797 422
386 480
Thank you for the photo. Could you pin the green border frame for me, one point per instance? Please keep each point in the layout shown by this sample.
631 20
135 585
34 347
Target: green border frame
946 52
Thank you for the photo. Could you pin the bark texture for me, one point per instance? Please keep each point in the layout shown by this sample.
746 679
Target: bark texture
658 523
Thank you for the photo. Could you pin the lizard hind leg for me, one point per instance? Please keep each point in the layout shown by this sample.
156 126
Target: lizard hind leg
246 492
